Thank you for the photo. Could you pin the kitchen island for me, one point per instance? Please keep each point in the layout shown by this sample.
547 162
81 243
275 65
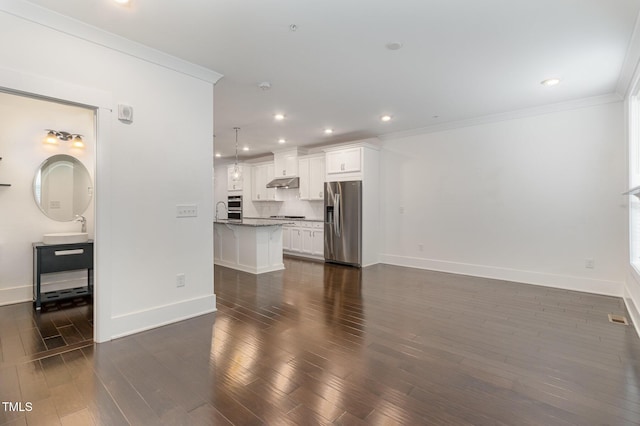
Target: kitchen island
249 245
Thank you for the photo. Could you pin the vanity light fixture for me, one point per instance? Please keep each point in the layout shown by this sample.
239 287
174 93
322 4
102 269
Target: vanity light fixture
53 136
236 169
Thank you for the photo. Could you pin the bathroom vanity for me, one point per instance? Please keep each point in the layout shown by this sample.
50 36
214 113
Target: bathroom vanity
49 258
249 245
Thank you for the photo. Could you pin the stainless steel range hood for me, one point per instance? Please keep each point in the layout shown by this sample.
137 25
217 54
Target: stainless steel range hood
290 182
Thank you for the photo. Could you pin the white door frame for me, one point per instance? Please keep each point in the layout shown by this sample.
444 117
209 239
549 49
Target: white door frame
100 101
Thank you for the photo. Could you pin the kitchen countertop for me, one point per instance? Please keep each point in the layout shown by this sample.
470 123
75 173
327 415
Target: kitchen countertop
288 220
254 221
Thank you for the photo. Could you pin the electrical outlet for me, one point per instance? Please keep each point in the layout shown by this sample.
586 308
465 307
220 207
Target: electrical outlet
186 210
589 263
181 280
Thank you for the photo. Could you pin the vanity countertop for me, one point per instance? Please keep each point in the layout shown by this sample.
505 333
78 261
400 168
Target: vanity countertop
41 244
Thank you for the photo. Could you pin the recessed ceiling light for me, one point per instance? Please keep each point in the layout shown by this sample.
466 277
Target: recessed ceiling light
394 45
122 1
328 131
246 148
279 117
385 118
282 140
550 82
218 155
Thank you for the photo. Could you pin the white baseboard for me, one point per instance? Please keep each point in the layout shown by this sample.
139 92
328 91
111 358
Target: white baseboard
249 269
9 296
135 322
24 293
566 282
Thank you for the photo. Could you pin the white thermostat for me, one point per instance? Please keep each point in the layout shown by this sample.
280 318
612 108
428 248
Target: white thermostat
125 113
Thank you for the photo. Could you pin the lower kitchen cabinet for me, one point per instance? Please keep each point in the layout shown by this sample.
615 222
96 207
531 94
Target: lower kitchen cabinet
304 239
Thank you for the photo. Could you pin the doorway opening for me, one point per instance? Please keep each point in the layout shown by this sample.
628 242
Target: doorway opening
46 193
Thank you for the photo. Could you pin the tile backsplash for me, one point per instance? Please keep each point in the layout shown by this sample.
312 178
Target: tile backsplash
291 206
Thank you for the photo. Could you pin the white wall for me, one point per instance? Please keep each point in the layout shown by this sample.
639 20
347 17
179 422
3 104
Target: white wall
526 199
21 221
143 169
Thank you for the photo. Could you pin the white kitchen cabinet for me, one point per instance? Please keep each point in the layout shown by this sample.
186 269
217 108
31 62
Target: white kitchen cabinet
317 244
348 160
286 237
312 174
262 174
259 188
307 240
286 163
296 239
235 183
304 238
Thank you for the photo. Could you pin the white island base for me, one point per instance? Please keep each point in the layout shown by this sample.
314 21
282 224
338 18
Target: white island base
248 247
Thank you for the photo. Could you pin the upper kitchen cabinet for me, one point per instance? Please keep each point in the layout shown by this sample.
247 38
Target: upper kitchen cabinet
312 173
235 183
349 162
261 175
286 162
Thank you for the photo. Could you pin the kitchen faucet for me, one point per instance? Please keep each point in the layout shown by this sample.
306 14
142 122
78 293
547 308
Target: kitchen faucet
225 208
82 220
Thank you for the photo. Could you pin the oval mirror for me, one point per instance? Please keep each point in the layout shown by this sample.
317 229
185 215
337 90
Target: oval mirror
62 187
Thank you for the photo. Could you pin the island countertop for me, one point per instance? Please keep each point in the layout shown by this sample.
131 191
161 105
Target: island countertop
253 222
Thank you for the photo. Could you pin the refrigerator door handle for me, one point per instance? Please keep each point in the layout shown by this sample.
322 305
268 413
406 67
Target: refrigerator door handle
338 217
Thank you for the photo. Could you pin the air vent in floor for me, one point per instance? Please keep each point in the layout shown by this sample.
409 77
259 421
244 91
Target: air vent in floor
618 319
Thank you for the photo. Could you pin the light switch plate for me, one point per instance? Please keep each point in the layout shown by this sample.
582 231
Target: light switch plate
187 210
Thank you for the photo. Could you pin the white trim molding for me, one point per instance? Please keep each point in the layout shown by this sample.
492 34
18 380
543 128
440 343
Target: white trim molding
147 319
564 282
81 30
510 115
12 295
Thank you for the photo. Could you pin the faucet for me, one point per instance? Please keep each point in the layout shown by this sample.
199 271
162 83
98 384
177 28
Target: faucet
225 208
82 220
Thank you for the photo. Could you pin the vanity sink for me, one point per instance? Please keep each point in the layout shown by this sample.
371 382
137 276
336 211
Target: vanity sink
65 238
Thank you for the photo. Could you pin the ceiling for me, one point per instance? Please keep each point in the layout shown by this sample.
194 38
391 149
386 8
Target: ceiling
460 59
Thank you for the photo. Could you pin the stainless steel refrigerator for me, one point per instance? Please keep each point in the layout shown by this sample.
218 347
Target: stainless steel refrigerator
343 222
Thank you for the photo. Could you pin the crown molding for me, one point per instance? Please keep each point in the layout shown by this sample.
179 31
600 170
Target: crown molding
73 27
510 115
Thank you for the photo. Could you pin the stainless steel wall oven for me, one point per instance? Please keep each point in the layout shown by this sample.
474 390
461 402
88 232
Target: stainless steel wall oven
234 206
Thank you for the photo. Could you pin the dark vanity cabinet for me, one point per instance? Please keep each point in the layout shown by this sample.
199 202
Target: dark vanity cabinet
49 258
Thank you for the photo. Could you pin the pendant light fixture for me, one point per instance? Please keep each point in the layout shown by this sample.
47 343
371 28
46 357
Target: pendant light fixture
236 169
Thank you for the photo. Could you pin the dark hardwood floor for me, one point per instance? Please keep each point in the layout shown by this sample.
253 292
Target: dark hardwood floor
326 344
